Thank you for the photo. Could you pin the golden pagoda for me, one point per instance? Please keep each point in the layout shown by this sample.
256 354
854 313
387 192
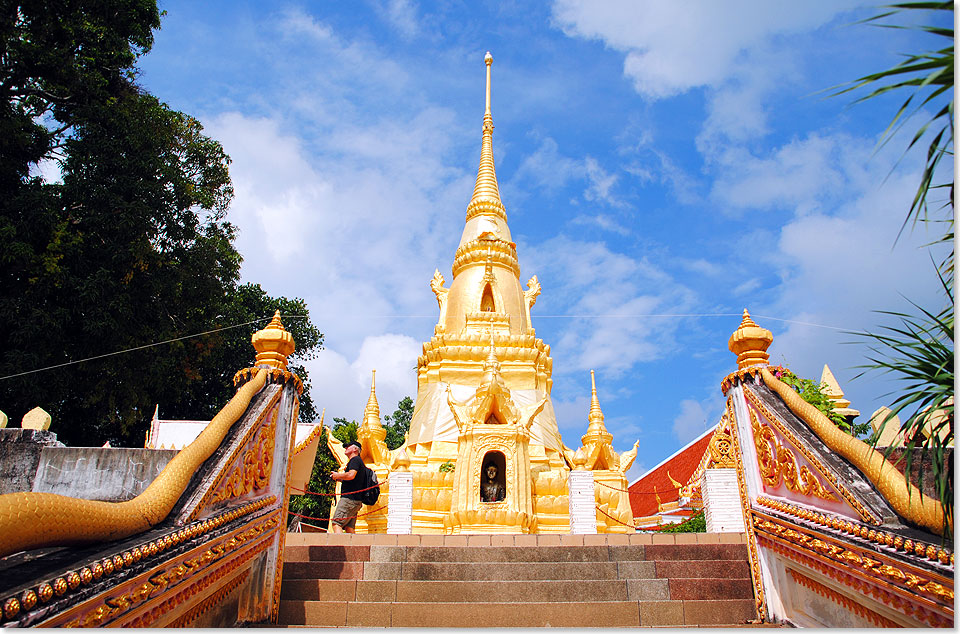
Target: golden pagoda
483 387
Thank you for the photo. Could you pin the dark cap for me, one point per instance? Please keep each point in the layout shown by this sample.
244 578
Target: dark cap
353 443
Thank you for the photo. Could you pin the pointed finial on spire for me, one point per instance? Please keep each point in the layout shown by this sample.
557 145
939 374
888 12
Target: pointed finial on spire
371 413
486 192
597 433
596 414
750 342
488 60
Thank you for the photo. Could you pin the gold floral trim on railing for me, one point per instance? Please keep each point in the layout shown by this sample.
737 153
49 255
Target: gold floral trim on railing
906 499
278 376
777 463
866 514
756 574
908 546
861 561
254 472
921 609
740 376
71 581
210 602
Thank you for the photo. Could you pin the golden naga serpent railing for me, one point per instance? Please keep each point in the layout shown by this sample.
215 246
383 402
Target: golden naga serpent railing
35 520
905 498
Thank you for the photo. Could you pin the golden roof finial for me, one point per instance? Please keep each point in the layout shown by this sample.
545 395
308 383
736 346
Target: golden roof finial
486 192
596 414
273 344
371 413
750 342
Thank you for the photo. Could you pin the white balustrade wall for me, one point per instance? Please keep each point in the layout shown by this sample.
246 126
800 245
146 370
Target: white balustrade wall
400 504
721 501
583 506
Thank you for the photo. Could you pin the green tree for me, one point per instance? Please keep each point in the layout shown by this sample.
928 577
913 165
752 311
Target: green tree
398 423
214 358
315 504
815 394
918 350
131 248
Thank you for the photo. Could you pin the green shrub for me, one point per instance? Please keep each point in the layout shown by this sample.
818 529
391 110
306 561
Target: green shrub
696 523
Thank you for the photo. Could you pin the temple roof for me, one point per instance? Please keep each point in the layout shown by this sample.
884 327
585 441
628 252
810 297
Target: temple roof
681 465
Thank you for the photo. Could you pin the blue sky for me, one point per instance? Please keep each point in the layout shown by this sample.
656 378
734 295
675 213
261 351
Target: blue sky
655 158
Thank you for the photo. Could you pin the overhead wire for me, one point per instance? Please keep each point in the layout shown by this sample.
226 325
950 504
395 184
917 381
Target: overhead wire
261 319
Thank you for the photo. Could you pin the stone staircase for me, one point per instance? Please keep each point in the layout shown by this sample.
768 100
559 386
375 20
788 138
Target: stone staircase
515 581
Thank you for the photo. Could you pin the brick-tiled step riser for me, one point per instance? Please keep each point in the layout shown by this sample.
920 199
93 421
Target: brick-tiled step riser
515 591
583 614
489 554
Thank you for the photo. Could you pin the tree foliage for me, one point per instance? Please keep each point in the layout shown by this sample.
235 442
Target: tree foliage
918 349
398 423
696 523
128 246
816 394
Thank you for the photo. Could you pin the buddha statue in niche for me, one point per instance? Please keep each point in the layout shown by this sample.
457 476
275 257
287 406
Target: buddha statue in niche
491 489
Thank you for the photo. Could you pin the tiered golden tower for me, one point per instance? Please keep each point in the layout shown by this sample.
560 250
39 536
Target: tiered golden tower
483 388
484 448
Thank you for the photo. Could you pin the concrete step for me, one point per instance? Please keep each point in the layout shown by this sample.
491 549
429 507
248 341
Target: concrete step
695 551
546 591
297 552
521 614
456 591
522 553
323 569
516 570
704 568
513 571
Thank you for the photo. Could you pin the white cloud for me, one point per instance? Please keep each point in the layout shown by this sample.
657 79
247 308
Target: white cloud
402 14
671 47
602 221
608 296
601 183
690 422
394 357
802 175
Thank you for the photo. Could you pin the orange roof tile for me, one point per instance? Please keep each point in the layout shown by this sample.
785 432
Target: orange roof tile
681 466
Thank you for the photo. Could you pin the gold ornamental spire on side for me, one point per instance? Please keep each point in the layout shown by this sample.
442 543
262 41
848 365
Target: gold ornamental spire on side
371 413
596 414
486 192
596 431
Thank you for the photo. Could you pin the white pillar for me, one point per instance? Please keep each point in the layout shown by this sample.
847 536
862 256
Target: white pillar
721 501
400 504
583 505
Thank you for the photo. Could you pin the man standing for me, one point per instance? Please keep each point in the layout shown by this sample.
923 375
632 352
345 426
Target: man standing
353 480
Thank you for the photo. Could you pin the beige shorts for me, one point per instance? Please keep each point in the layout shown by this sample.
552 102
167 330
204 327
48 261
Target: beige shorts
345 515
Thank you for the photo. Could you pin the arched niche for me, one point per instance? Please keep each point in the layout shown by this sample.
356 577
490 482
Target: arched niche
487 302
493 494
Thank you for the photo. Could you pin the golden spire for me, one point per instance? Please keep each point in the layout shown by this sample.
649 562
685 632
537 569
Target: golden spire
372 431
371 413
273 344
486 192
750 342
596 414
597 433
